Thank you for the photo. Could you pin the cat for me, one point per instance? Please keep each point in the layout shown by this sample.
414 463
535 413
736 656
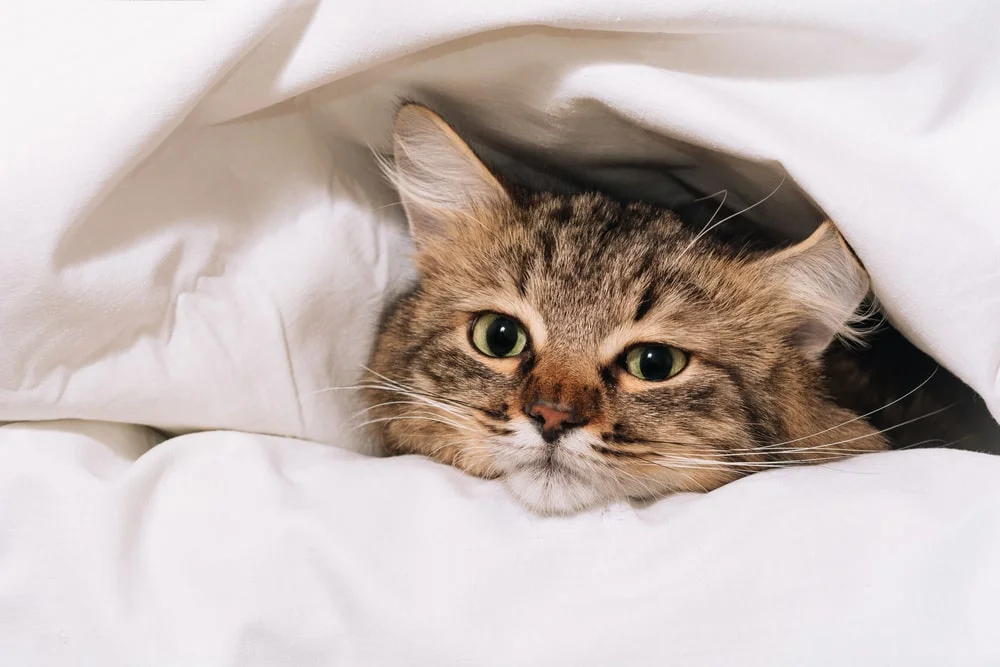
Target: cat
585 350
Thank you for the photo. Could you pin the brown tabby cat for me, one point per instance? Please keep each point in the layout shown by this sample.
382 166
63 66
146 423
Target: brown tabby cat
585 350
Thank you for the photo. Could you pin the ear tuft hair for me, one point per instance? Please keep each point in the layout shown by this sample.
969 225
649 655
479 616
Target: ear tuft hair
440 180
827 283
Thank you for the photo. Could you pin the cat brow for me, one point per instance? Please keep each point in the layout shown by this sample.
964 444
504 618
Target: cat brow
678 329
646 302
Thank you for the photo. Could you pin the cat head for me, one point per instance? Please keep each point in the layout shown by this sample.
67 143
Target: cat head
586 350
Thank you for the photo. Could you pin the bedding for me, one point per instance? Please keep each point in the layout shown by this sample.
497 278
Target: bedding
236 549
196 240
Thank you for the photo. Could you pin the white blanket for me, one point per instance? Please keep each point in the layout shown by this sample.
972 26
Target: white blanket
194 237
252 551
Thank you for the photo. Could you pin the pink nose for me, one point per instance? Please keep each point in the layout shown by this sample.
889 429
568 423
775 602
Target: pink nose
554 419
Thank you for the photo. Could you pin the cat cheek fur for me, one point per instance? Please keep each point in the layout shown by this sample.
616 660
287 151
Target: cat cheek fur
589 276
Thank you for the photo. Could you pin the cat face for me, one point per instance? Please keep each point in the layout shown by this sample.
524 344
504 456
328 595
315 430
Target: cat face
586 351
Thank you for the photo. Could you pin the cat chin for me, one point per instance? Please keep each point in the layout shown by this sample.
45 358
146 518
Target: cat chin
550 480
551 491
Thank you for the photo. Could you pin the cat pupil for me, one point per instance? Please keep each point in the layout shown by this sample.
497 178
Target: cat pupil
501 336
655 363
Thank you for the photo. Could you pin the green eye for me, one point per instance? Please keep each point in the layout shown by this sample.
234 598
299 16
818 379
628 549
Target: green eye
497 335
655 363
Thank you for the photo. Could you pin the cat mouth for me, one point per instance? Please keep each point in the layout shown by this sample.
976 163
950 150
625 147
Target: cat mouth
549 463
554 489
529 453
552 478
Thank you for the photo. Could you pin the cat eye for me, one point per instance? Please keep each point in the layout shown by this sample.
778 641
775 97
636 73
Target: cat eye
497 335
655 363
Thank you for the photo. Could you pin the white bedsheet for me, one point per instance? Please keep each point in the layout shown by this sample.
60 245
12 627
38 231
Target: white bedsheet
193 236
230 549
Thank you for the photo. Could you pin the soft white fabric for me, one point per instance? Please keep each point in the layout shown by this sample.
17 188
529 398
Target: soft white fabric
179 251
194 236
222 549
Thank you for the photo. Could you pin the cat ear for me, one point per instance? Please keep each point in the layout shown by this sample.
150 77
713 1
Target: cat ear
826 283
440 180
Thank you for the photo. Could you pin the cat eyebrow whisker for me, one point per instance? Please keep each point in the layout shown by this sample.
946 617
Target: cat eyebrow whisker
724 192
709 227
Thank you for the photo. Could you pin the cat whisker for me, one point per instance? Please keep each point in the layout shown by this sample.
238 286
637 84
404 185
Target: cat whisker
388 403
866 435
717 459
729 457
452 410
709 227
446 422
921 443
440 447
710 462
644 484
491 469
383 377
611 474
780 448
470 445
724 192
690 463
390 387
423 400
943 444
385 206
340 388
859 417
427 394
602 469
412 393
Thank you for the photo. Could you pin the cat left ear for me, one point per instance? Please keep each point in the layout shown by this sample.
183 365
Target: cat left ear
440 180
825 282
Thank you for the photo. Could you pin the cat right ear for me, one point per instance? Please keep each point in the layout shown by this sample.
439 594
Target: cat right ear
826 283
441 182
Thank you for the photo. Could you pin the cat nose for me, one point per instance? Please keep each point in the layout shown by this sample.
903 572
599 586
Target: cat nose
553 419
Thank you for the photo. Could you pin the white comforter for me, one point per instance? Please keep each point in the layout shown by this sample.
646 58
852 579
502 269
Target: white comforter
194 237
